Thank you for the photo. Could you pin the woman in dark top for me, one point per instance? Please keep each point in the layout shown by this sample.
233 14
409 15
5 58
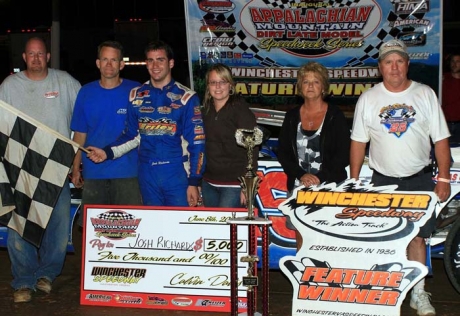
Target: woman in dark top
224 113
314 141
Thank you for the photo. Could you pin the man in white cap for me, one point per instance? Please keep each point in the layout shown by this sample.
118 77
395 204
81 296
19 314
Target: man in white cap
399 117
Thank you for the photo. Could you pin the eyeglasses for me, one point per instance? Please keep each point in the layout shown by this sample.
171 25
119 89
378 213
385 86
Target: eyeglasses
218 83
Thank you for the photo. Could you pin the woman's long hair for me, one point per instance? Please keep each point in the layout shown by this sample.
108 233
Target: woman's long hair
225 73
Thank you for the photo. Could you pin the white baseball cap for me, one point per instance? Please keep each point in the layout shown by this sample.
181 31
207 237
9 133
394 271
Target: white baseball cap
393 46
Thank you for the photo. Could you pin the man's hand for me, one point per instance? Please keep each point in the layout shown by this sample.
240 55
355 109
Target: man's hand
96 155
442 190
77 179
193 195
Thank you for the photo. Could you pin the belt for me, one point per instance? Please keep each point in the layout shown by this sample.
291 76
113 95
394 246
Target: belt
425 170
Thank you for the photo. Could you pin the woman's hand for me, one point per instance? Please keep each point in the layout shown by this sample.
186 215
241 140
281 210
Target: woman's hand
309 179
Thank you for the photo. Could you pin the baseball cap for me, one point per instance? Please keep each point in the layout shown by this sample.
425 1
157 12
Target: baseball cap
393 46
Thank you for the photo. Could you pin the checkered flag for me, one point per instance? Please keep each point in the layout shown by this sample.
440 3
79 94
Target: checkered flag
115 216
36 161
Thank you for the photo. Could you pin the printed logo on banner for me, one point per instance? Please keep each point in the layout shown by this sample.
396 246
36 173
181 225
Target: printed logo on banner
115 275
182 301
156 300
354 250
216 6
115 224
411 7
319 29
201 302
128 299
98 297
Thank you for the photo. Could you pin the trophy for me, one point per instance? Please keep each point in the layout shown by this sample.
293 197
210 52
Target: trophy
250 181
249 184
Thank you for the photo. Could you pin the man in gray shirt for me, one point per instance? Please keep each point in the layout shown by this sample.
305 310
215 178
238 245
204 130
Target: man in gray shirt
47 95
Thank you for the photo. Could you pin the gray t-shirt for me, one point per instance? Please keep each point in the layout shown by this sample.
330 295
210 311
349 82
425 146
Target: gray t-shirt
50 101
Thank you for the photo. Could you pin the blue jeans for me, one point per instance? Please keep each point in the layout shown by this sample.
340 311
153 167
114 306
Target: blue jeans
214 196
29 263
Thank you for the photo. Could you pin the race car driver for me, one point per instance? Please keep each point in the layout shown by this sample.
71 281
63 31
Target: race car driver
164 119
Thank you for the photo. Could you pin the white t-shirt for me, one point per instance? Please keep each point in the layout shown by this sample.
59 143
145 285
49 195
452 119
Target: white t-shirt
399 127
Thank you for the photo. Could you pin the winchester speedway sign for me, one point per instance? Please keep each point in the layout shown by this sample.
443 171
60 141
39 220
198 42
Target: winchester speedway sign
353 255
266 41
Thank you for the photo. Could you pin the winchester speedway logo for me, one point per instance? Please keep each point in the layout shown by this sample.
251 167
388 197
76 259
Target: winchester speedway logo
354 247
310 27
115 224
114 275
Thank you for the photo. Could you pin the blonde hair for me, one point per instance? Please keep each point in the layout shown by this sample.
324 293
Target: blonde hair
225 73
315 68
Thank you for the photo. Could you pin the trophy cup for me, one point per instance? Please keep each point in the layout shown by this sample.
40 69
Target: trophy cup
249 184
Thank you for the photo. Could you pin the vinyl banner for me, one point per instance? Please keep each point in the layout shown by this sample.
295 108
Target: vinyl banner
353 258
167 258
266 41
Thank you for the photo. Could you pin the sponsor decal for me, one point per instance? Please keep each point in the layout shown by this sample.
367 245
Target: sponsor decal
163 126
197 120
199 137
146 109
98 297
115 224
216 6
182 301
215 26
122 111
196 110
128 299
52 95
175 106
117 275
156 300
143 94
411 7
173 96
200 161
212 303
137 103
164 110
198 130
218 42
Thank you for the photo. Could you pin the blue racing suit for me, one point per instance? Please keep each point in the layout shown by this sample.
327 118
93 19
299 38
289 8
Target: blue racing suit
168 124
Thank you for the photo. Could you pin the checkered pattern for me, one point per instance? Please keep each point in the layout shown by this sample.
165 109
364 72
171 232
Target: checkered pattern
115 216
36 162
384 34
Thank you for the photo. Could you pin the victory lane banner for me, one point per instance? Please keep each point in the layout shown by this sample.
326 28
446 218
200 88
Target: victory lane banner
160 258
354 247
264 42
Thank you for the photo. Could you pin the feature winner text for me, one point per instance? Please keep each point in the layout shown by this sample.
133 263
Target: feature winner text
356 286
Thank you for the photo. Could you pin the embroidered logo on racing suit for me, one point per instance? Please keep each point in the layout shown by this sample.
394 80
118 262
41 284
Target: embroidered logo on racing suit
148 126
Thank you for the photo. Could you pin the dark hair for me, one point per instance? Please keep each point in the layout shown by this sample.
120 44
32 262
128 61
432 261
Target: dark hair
112 44
157 45
315 68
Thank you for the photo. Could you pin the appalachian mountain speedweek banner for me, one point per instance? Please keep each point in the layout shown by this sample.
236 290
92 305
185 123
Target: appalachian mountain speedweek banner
353 257
266 41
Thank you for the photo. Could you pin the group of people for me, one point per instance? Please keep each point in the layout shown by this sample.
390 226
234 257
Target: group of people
315 144
154 144
145 143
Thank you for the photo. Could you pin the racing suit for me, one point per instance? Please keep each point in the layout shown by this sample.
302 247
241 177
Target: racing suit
168 125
